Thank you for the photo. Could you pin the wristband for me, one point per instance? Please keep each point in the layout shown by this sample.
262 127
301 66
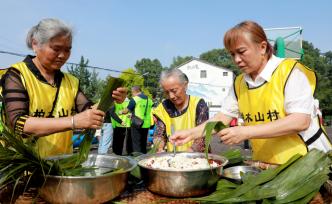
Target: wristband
72 123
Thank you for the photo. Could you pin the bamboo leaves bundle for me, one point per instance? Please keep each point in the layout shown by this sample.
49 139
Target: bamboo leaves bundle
296 181
19 161
69 164
104 104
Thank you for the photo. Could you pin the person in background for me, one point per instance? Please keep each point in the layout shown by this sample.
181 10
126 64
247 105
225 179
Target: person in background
178 111
105 134
273 96
139 105
121 127
43 102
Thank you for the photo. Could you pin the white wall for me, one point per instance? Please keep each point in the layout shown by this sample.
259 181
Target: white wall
214 88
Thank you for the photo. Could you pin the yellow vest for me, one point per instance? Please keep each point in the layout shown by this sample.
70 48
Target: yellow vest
41 97
185 121
124 117
265 104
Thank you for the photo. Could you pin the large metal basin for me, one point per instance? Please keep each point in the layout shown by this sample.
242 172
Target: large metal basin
182 183
89 189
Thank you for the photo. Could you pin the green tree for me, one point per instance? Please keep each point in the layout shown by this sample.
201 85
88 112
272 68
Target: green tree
328 60
322 66
89 82
177 61
133 78
221 58
328 57
150 70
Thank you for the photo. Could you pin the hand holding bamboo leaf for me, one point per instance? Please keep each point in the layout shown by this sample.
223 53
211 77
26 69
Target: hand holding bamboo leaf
119 94
208 131
233 135
104 104
90 118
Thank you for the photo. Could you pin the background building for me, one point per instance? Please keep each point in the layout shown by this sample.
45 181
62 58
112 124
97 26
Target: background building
208 81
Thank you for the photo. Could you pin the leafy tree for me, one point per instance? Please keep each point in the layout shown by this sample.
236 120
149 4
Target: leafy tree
132 78
221 58
177 61
328 57
322 66
89 82
328 60
150 70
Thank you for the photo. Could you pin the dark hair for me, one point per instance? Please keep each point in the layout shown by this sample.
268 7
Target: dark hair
256 34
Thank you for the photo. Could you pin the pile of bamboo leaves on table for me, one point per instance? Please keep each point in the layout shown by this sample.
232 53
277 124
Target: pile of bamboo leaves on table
296 181
19 160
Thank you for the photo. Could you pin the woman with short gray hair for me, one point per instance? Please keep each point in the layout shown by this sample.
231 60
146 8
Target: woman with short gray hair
178 111
42 101
47 29
183 79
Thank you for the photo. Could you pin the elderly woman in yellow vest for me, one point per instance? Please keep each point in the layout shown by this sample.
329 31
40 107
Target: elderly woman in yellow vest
274 97
178 111
42 101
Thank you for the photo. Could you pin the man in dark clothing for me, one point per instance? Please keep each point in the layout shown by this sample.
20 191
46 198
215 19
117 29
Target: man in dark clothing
140 105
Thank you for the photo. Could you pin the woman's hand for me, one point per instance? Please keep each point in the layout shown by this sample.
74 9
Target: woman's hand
90 118
233 135
181 137
120 94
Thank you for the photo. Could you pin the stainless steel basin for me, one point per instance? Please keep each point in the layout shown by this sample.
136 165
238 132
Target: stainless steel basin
89 189
182 183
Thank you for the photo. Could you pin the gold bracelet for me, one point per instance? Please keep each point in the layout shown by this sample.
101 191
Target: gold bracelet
72 123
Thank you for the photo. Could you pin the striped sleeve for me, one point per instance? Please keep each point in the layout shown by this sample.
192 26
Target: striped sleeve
19 125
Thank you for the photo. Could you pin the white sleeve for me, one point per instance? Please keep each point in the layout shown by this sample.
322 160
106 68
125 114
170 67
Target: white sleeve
230 105
298 95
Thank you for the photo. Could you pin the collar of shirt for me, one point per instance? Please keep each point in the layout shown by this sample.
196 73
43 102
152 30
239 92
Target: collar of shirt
28 61
171 109
266 73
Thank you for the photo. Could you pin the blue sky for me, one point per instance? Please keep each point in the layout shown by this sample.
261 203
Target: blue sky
116 33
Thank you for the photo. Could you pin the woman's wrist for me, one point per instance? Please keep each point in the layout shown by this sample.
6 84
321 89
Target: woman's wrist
194 133
73 127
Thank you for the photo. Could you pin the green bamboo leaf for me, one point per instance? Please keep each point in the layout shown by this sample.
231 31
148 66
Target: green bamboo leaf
234 156
14 188
306 199
104 104
208 130
106 100
226 184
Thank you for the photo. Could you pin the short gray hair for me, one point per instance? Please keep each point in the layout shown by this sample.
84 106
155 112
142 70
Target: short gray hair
47 29
136 88
174 72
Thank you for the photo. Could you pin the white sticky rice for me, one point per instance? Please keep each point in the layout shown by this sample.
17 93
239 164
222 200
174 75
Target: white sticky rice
177 162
